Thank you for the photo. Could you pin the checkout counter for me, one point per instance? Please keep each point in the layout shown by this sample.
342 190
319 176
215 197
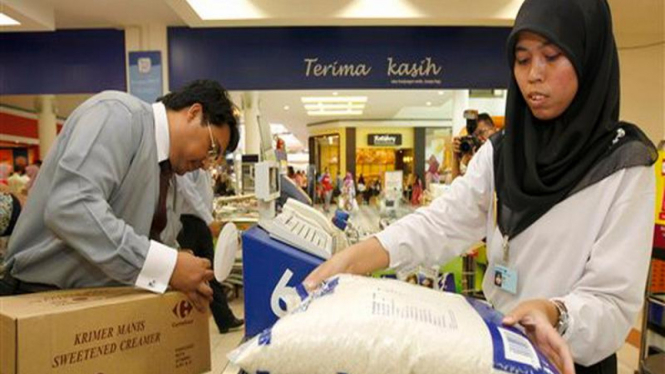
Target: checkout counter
271 271
271 266
281 251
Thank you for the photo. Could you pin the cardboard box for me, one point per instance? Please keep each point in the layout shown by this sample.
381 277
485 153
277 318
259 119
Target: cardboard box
102 331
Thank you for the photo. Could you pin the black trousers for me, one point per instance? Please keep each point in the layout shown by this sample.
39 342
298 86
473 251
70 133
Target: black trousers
196 236
606 366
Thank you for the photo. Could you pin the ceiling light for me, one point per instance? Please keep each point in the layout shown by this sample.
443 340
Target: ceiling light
322 106
338 99
335 113
334 105
429 103
209 10
286 107
440 93
335 93
6 20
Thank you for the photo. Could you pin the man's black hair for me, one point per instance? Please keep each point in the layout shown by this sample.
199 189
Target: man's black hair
218 109
484 117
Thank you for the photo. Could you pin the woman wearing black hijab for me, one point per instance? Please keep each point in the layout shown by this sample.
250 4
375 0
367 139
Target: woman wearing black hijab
564 196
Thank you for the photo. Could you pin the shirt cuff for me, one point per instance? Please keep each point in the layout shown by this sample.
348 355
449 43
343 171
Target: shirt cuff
157 268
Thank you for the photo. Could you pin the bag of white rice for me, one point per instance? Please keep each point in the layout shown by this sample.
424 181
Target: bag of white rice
359 325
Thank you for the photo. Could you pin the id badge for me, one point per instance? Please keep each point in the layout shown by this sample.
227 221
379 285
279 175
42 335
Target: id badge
505 278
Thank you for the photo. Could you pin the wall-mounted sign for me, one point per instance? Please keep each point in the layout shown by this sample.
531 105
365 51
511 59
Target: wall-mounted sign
340 57
145 75
384 139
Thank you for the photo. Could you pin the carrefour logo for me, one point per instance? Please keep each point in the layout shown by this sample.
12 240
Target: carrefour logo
182 309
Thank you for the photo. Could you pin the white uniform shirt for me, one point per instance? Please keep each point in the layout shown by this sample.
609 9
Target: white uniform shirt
591 250
196 190
190 193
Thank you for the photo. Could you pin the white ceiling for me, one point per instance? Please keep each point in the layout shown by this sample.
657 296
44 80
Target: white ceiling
631 17
635 21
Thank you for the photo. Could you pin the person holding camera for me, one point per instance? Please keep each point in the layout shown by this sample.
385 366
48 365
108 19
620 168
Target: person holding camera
479 127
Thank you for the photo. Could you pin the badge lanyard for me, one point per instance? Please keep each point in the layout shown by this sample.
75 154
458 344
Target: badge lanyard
505 277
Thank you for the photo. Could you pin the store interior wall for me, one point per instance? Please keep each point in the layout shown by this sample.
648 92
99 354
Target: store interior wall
643 88
342 142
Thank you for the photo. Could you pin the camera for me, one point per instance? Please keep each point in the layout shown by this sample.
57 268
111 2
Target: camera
469 144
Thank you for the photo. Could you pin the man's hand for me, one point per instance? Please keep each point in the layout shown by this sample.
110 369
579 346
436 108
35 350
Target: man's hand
456 148
191 276
538 318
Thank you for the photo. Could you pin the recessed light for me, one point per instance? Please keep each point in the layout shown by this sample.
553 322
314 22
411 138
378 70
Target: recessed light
335 93
286 107
323 106
6 20
429 103
335 113
440 93
328 99
209 10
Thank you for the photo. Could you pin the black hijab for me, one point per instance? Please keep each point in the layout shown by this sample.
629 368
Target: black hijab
540 163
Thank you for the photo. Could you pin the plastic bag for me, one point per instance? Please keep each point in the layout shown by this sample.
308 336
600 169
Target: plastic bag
359 325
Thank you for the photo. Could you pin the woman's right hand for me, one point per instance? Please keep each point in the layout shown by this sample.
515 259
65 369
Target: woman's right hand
361 258
335 265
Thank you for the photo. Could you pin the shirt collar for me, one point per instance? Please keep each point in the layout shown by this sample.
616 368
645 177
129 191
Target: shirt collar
161 131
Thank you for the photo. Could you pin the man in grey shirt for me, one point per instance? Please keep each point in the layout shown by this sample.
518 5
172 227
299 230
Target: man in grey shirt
96 211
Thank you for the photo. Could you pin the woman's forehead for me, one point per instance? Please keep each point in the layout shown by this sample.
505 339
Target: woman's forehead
527 36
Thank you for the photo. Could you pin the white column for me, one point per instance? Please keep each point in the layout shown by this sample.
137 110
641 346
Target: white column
250 108
46 108
460 104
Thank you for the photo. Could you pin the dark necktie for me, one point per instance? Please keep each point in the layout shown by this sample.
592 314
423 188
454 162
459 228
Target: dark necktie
159 218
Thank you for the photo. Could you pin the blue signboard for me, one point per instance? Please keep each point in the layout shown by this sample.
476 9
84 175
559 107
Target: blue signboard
340 57
271 271
62 62
145 75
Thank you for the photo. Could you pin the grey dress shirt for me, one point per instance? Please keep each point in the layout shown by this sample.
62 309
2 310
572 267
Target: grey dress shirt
87 220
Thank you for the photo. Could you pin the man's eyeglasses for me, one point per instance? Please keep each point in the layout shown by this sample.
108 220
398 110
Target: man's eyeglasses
215 151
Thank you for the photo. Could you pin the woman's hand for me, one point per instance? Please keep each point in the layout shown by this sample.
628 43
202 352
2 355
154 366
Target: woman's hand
538 318
335 265
361 258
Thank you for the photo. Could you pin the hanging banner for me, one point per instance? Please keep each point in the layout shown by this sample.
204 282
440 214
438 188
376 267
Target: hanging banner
145 75
340 57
